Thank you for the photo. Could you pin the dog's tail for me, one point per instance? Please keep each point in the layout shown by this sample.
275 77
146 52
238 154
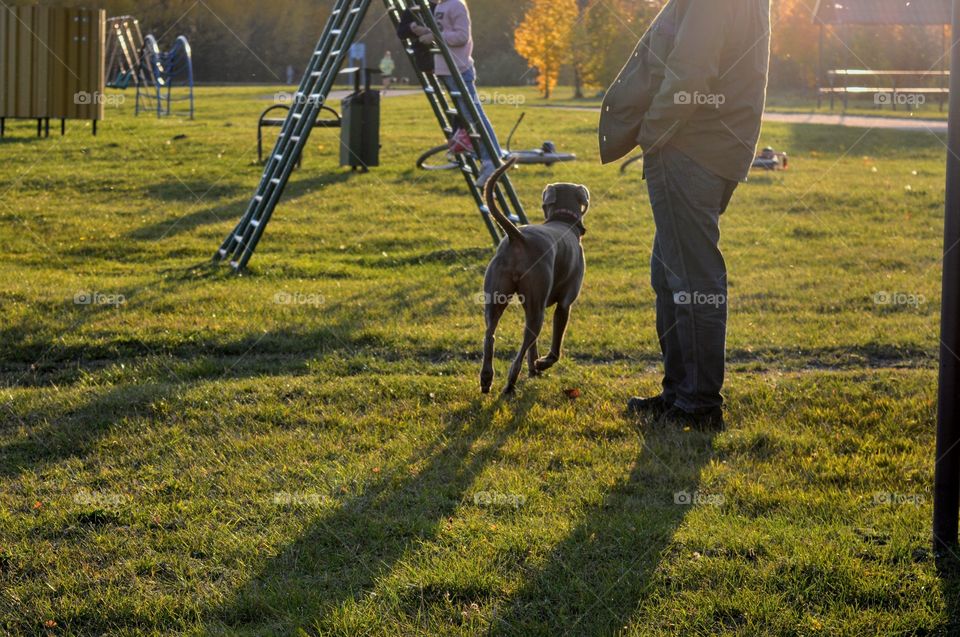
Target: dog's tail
489 192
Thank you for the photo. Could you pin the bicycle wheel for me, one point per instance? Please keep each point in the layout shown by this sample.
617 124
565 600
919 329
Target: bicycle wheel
440 159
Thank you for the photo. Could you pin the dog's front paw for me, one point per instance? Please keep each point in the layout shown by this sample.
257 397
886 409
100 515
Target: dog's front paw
545 363
509 392
486 381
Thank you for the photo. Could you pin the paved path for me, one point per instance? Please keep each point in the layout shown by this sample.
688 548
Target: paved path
860 121
397 92
938 126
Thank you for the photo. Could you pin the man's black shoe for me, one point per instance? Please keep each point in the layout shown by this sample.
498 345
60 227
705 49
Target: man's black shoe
655 406
706 421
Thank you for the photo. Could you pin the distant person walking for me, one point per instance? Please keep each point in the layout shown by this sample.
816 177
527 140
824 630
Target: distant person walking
692 96
387 66
453 17
290 74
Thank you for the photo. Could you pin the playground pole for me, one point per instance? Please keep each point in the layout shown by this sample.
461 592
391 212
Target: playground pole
946 486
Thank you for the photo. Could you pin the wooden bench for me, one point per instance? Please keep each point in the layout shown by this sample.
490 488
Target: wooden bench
889 83
268 122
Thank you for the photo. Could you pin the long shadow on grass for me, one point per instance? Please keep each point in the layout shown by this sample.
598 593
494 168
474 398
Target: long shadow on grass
61 432
190 190
346 552
20 137
32 361
221 212
31 344
595 580
948 569
57 431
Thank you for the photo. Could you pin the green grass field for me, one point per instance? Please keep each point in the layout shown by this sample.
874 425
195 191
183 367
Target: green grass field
303 450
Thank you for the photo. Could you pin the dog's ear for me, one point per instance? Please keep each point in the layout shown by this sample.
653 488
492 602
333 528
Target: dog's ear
549 198
583 196
550 195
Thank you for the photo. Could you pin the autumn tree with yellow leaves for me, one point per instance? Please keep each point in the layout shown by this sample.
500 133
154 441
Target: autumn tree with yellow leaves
544 39
605 37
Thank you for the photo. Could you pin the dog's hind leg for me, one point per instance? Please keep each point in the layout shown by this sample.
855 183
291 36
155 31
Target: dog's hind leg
493 311
531 333
561 316
532 355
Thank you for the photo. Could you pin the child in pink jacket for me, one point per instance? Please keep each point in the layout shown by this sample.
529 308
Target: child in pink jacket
453 18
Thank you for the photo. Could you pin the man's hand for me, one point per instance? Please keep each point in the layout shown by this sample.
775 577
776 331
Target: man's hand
419 29
426 38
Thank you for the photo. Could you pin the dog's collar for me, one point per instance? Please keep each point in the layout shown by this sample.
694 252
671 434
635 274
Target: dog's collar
568 216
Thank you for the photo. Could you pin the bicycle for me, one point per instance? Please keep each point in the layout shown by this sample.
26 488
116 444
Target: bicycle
546 155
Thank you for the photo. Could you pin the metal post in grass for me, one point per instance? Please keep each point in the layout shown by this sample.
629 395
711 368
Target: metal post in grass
946 483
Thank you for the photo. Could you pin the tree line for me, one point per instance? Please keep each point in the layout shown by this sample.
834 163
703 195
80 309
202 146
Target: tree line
579 43
593 39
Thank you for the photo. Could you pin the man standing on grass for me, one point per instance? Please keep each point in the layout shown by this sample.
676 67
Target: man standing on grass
691 96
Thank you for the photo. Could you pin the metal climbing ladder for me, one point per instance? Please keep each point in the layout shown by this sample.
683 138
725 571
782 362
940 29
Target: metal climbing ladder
331 51
446 108
124 44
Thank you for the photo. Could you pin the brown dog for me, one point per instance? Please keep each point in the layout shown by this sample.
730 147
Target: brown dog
543 265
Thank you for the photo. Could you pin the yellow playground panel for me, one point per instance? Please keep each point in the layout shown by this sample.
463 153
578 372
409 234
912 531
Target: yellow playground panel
52 65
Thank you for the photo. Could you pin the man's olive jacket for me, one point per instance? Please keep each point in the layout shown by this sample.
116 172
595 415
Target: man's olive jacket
696 81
